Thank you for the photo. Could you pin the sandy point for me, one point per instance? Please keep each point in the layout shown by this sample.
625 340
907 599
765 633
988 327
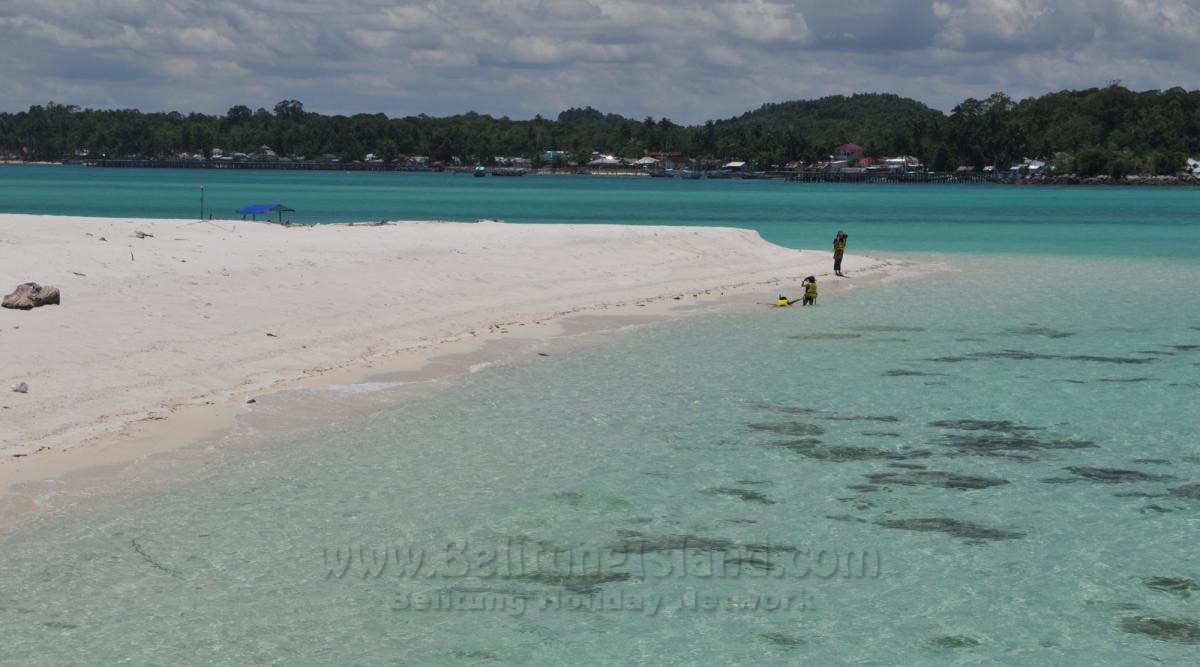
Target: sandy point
168 327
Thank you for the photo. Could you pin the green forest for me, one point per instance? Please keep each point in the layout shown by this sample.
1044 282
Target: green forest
1110 130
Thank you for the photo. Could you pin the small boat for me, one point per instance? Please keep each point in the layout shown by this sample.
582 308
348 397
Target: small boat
756 175
480 171
718 174
689 175
660 173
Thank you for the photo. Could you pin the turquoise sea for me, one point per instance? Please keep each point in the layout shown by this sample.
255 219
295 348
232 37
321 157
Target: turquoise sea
995 461
951 218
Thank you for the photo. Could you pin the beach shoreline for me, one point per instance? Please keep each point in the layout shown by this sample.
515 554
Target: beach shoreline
142 358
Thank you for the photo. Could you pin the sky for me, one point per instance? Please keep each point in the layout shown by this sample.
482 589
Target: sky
689 61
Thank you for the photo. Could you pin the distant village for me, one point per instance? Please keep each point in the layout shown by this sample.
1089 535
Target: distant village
847 162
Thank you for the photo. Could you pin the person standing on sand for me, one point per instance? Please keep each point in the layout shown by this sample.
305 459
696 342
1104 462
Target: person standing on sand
839 247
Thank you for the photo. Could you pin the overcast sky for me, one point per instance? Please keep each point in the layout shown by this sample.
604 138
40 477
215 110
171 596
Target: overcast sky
689 61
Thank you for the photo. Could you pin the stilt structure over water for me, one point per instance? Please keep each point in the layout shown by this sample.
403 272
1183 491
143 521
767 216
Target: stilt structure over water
892 177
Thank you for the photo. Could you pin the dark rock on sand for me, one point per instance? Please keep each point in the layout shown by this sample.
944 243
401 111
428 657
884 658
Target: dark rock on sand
887 328
634 542
740 494
1104 605
1164 629
951 527
1116 475
1038 331
1190 491
787 428
464 654
799 446
938 478
900 373
863 418
576 583
571 498
749 564
1023 355
822 414
1005 443
981 425
814 450
953 641
780 639
788 409
1179 586
847 518
826 336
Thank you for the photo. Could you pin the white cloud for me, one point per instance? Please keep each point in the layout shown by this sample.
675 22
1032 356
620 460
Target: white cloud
687 59
765 22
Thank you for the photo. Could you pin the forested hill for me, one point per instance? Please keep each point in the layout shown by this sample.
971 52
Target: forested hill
866 118
1110 129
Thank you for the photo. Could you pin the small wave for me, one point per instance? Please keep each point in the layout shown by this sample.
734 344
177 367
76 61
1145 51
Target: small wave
362 387
336 390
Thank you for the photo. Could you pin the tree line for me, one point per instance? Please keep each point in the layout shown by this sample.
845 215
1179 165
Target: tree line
1110 130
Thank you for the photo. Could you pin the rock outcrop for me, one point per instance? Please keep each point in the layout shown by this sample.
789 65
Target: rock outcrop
31 295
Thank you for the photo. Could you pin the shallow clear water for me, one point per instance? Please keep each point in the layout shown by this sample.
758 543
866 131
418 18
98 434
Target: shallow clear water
1008 441
933 218
755 433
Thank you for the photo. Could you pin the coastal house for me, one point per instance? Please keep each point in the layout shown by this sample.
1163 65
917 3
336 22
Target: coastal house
669 159
506 161
1193 166
1027 167
902 163
736 165
264 154
551 156
606 162
848 152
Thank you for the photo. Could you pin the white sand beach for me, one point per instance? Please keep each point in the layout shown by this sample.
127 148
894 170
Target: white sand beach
200 315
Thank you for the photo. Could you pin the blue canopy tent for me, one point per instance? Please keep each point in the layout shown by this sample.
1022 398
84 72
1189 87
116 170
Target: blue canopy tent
255 209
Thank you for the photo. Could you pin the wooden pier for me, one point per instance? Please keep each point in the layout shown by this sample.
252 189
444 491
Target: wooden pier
274 165
315 165
972 177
